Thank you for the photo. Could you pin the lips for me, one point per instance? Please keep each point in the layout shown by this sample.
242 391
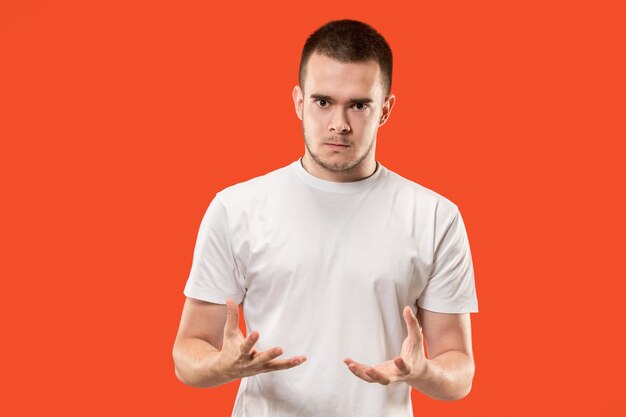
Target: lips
337 145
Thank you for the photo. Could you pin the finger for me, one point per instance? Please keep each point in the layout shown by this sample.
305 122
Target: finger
360 372
276 365
267 355
359 369
232 317
248 343
377 376
401 365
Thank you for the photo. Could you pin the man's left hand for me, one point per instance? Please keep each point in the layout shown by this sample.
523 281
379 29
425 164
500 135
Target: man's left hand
410 365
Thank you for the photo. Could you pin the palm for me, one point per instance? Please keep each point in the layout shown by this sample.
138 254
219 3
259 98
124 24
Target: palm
408 364
239 356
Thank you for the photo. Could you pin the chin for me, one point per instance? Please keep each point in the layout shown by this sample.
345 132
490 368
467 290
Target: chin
338 164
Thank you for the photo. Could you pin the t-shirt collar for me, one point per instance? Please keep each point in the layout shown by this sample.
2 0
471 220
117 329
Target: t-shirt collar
337 187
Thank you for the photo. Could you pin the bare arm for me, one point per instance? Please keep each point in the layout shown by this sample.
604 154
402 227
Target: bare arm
450 367
211 350
199 337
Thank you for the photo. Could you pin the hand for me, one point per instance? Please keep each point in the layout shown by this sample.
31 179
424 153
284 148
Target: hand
410 365
239 358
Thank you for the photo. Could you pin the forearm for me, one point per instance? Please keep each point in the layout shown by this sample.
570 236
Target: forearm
193 358
446 377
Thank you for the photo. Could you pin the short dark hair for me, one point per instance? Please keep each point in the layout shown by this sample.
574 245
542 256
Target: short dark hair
349 41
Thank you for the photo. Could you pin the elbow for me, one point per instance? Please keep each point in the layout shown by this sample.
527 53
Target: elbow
453 396
188 376
462 387
179 375
466 387
462 394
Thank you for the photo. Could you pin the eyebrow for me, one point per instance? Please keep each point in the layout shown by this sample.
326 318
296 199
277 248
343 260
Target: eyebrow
352 100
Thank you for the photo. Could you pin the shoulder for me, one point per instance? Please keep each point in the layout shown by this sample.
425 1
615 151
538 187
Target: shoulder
247 191
421 195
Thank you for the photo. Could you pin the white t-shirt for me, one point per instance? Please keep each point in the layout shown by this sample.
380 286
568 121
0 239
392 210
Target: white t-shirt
324 269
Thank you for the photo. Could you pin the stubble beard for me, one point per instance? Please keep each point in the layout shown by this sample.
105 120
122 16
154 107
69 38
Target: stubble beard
341 167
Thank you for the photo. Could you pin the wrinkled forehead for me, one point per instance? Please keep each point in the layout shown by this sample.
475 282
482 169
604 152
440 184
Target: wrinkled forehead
325 75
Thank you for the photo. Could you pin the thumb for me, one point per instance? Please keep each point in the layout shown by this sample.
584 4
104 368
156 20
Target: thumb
232 317
412 325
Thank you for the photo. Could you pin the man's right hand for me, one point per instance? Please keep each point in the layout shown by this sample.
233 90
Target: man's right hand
239 358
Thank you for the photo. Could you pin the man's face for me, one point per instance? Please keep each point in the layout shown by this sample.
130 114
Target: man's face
341 108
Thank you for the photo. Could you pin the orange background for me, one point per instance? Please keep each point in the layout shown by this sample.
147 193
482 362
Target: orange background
120 120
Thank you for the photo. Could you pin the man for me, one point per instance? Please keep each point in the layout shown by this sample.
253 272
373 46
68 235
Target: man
341 265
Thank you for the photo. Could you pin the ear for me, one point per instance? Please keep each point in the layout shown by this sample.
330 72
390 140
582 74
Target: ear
298 100
390 100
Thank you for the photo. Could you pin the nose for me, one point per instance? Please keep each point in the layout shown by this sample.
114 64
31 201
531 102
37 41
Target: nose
338 122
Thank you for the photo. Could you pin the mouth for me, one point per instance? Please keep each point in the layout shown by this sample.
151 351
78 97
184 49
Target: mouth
336 145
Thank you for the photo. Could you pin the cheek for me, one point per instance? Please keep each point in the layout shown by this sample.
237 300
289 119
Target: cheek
371 124
363 126
313 120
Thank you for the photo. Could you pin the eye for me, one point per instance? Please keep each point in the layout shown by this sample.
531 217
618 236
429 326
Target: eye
360 106
322 103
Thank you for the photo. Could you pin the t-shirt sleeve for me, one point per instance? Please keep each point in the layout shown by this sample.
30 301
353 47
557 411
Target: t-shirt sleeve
451 287
214 274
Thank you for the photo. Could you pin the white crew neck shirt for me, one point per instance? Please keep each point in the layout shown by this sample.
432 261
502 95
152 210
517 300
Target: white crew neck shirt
324 269
335 186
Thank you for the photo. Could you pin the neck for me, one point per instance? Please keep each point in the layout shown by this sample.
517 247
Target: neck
364 170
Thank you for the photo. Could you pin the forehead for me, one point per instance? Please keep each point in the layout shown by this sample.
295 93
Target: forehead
325 75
